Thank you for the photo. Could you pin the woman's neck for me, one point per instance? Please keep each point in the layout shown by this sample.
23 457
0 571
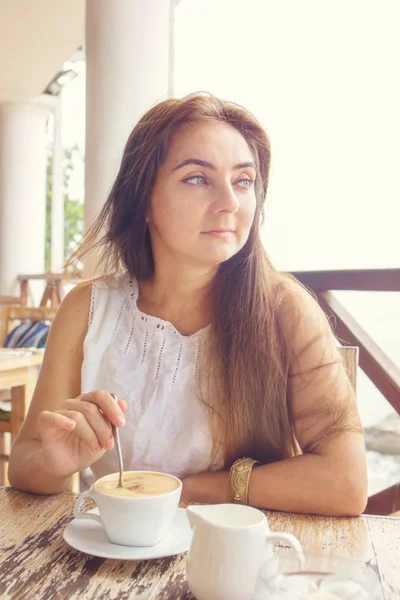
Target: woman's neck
178 298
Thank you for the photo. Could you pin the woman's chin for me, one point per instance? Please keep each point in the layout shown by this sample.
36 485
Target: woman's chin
216 258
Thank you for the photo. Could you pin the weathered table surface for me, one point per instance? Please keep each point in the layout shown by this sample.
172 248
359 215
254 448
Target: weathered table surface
36 563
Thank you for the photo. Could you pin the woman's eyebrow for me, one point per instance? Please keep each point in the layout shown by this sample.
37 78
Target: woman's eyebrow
195 161
245 165
204 163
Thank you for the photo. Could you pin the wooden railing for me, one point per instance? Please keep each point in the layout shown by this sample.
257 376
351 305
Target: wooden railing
380 369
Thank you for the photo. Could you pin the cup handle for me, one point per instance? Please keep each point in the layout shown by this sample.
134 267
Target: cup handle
290 539
80 514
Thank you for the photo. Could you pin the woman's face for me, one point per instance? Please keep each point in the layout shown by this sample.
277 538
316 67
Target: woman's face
203 202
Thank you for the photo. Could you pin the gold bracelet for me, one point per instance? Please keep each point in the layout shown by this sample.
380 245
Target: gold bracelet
239 478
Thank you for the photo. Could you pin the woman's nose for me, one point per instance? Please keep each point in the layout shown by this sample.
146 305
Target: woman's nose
226 200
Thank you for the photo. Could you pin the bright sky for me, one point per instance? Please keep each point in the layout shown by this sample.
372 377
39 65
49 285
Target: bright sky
322 76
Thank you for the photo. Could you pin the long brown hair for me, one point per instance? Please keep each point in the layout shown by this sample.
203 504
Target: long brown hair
248 400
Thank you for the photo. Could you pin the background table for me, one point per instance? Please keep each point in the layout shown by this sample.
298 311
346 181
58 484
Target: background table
36 563
19 371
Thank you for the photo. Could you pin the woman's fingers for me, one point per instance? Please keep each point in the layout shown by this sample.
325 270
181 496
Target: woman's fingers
94 418
83 429
56 420
90 417
111 409
123 405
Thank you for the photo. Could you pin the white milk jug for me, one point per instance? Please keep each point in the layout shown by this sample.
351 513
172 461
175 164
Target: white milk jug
229 544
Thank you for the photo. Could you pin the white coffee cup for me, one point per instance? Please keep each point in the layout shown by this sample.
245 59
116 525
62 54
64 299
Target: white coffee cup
140 520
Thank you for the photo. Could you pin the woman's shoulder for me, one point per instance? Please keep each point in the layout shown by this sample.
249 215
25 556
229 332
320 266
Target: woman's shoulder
78 298
108 295
81 298
71 321
285 290
294 298
299 314
113 281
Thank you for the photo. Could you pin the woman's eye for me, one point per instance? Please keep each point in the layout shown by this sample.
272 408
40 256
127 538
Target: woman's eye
246 183
196 180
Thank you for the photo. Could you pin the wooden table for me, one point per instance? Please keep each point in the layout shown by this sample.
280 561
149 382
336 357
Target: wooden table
36 563
19 371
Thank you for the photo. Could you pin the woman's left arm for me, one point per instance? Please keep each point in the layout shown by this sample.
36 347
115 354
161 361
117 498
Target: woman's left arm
330 476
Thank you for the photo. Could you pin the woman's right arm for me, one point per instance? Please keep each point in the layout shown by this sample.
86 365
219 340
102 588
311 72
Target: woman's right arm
64 431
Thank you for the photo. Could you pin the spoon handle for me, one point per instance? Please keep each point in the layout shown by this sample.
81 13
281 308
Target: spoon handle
118 447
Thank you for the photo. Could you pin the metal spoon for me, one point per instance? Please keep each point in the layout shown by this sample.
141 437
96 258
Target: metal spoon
118 447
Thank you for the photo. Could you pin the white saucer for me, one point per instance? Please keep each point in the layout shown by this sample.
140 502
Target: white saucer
89 537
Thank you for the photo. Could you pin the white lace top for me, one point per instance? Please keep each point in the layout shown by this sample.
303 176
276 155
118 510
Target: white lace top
147 362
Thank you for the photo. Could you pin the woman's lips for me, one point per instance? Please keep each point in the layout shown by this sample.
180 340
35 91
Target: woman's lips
219 233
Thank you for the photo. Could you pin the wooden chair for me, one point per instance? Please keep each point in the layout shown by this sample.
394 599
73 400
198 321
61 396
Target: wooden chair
12 314
53 292
349 355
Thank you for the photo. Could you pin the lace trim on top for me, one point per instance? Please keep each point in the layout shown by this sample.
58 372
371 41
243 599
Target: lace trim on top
91 307
156 323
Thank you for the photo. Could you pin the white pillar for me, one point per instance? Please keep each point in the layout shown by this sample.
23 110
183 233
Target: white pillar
129 68
57 196
22 190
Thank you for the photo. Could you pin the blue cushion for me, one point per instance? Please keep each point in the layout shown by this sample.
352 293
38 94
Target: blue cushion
31 334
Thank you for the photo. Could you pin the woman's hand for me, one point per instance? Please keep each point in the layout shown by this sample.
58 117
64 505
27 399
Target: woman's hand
78 434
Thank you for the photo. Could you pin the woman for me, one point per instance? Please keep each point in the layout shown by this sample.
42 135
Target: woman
227 371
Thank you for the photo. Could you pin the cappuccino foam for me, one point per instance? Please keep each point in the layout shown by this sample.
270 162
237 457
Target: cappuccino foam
137 484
